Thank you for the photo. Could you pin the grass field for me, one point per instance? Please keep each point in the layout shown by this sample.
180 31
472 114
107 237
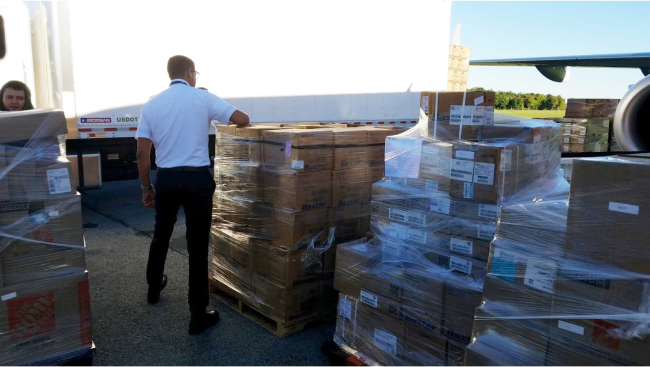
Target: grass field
531 114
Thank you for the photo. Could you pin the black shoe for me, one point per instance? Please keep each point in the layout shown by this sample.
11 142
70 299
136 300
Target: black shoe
203 320
153 296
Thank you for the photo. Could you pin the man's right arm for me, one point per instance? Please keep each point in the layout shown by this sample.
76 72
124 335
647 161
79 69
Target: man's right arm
240 119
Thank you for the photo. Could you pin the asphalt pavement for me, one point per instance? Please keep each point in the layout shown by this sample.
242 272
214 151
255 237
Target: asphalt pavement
129 331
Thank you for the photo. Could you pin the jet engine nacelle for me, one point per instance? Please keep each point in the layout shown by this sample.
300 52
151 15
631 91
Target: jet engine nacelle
632 118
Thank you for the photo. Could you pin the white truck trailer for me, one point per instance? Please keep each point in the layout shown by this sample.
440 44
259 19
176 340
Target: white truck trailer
284 61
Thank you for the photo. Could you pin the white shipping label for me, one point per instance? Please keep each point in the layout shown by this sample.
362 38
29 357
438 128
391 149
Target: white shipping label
9 296
465 154
440 205
624 208
287 149
583 132
489 115
567 139
445 167
386 342
398 231
397 214
425 104
369 298
419 219
38 219
479 100
567 132
468 190
461 246
462 170
537 138
488 211
506 160
466 115
534 153
486 231
462 265
484 173
479 116
391 248
571 327
504 255
58 181
540 276
345 309
417 236
297 164
581 140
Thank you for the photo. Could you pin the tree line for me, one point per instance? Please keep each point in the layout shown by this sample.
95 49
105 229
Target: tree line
524 101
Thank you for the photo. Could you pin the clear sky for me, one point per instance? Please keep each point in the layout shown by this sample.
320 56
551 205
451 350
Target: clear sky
518 29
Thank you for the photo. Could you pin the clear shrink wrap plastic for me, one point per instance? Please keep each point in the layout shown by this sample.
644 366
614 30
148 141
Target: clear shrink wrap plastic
575 290
409 294
285 198
45 300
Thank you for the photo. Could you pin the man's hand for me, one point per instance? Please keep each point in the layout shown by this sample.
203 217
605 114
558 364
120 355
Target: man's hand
240 119
149 198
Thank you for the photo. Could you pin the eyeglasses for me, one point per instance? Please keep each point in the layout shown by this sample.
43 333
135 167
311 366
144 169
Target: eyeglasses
196 74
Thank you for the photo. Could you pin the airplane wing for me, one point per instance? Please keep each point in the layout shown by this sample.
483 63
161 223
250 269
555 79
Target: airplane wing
555 68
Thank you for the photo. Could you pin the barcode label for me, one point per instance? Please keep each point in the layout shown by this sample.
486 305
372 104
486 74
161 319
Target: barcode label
534 154
462 265
461 115
540 276
484 173
462 170
461 246
287 149
386 342
468 190
465 154
391 248
488 211
297 164
369 298
431 185
567 139
397 214
398 231
624 208
506 160
416 218
417 236
58 181
440 205
583 132
425 104
486 231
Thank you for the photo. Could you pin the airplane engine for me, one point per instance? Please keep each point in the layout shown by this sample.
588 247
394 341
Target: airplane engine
632 118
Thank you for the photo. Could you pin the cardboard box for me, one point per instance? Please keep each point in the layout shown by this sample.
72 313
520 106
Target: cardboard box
392 193
491 348
42 125
38 179
384 281
608 211
233 275
49 222
297 191
435 163
298 149
237 144
451 115
380 336
488 173
350 187
349 223
423 348
536 272
580 108
423 299
462 297
92 171
350 149
287 303
352 259
45 319
346 319
287 268
291 230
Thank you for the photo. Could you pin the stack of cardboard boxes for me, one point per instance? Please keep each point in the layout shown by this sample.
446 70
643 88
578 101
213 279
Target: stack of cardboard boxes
457 115
586 126
285 198
458 68
45 308
568 286
409 294
585 134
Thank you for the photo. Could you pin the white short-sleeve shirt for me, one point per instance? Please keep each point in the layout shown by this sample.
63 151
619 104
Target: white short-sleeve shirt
177 121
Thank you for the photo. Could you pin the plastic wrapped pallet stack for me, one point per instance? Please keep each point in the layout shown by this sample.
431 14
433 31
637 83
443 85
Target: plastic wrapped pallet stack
45 308
285 198
409 295
585 134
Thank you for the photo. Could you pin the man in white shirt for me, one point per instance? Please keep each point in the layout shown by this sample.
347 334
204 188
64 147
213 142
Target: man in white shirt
176 122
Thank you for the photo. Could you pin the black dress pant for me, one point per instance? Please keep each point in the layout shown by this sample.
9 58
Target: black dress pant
192 190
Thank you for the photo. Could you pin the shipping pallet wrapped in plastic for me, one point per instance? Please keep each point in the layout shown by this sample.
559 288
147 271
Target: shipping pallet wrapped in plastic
409 295
45 308
574 290
285 198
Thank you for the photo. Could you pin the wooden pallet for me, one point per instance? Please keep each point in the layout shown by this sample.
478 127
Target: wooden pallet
235 301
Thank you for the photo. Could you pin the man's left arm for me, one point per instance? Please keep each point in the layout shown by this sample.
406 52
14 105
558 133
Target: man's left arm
143 155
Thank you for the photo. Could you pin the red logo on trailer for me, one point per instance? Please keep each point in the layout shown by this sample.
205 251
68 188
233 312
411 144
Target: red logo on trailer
602 336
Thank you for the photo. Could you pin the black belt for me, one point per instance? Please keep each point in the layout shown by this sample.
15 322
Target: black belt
184 168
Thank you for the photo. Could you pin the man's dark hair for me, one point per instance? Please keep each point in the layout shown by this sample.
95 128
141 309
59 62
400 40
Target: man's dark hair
178 65
16 85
